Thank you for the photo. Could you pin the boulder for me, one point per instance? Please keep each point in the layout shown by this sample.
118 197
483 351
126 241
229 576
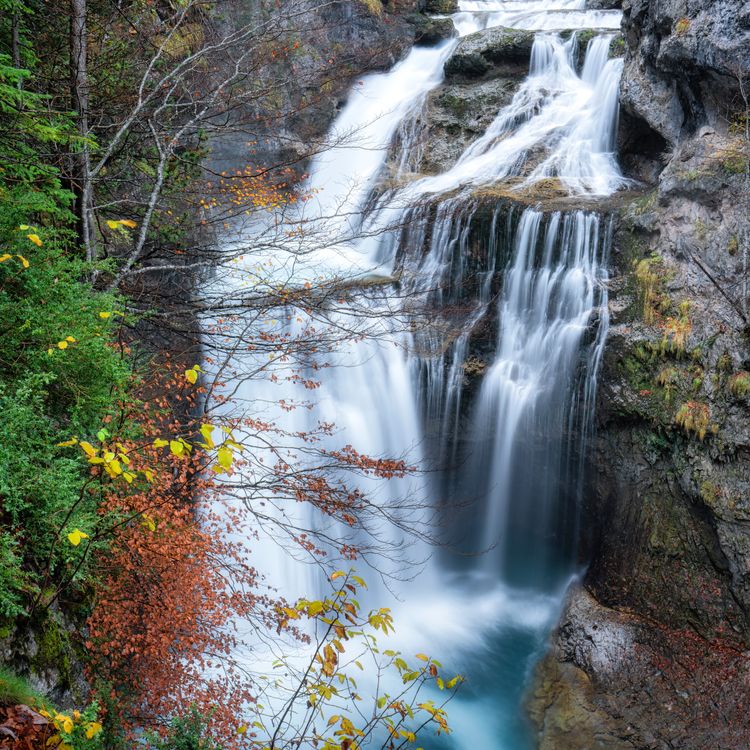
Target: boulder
440 7
492 52
431 31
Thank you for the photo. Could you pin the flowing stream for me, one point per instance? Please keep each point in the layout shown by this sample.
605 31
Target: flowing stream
478 367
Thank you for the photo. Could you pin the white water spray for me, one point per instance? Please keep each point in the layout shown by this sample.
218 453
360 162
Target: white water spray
394 394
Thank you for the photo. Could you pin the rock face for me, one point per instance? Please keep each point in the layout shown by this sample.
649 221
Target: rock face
686 60
653 649
490 53
481 76
332 44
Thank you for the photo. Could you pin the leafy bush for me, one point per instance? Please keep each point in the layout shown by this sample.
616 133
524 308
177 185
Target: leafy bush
185 733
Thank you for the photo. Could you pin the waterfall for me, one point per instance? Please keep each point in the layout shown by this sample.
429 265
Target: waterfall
479 368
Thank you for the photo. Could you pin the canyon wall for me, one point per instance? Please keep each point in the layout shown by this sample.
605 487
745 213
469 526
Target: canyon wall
652 648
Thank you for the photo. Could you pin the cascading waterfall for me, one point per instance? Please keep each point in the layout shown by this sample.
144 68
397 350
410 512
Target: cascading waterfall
524 288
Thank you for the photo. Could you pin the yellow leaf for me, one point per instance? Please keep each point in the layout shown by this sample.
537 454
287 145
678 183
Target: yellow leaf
207 432
337 574
68 443
315 608
75 538
24 227
113 468
333 720
159 443
440 683
148 474
71 339
62 344
148 522
423 657
104 315
242 729
113 224
128 223
92 729
88 448
35 239
177 447
128 477
4 257
224 457
191 376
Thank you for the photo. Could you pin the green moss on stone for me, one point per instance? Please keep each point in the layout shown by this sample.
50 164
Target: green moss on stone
617 48
54 651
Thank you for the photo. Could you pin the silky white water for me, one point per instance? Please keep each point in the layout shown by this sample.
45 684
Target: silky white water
499 463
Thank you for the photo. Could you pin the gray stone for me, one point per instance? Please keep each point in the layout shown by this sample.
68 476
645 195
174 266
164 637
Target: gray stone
685 61
498 51
442 7
431 31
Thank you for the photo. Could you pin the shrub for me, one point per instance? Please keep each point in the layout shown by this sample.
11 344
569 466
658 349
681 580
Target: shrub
695 417
739 384
187 732
682 26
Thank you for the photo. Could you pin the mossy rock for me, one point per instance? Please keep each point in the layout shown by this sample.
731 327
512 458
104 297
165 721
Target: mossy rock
497 51
54 654
431 31
441 7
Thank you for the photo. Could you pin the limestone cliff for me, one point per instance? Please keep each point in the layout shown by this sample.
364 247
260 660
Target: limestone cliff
652 649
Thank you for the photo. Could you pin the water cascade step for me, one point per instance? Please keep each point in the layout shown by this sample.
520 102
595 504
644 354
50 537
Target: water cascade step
479 367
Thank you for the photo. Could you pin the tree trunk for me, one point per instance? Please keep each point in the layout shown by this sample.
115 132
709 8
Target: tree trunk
79 90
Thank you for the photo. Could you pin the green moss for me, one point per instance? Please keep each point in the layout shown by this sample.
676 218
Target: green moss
584 37
646 203
637 372
617 48
54 651
441 7
733 245
457 105
657 444
710 493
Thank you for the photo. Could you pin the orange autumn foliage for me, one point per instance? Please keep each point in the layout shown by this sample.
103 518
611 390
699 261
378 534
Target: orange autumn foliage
176 577
172 585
